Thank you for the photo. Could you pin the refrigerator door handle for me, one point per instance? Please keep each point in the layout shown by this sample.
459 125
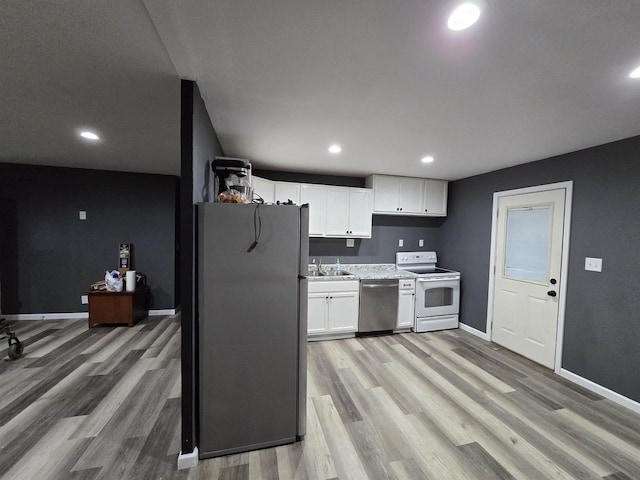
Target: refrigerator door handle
303 289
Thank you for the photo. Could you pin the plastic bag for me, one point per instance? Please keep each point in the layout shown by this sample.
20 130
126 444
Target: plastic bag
113 281
238 190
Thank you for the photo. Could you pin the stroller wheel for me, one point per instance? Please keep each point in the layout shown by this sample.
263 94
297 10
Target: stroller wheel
15 350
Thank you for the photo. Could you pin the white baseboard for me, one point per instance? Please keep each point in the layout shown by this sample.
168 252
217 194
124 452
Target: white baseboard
188 460
600 390
74 315
473 331
46 316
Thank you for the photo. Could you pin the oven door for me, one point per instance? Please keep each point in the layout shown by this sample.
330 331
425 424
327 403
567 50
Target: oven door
437 296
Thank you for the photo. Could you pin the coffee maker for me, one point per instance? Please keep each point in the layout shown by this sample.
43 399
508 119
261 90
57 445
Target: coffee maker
231 175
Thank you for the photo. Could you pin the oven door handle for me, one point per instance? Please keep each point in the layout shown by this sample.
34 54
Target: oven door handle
439 279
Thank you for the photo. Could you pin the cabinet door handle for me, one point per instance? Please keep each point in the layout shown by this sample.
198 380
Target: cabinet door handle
426 210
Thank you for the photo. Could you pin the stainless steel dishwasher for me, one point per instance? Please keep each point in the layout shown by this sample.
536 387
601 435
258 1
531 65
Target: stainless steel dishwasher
378 305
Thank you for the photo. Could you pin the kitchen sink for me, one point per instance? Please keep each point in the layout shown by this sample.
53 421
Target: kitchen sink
333 274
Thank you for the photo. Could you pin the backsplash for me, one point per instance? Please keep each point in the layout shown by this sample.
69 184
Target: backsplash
383 244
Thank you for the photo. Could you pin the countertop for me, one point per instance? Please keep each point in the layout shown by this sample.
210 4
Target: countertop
361 271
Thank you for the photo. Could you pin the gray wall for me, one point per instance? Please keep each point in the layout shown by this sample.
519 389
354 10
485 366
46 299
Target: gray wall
602 325
383 244
387 229
50 258
199 145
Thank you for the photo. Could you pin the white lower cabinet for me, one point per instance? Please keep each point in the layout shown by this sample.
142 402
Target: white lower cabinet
332 307
406 304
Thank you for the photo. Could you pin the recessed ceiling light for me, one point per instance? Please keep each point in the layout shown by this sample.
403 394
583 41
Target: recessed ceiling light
335 149
427 159
464 16
635 73
89 135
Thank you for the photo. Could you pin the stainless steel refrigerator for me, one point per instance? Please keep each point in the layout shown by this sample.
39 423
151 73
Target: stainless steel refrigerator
252 300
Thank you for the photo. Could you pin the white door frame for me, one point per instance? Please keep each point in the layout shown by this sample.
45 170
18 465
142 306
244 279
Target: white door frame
564 269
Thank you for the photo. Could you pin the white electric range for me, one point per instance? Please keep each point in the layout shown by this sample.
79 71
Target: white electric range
437 291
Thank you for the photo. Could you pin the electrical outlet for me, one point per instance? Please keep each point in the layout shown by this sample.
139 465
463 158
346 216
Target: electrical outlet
421 243
401 243
593 264
350 242
84 299
83 214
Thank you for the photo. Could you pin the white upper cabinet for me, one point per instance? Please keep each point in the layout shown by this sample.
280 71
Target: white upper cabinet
435 197
264 188
337 212
386 193
285 191
360 212
349 212
316 197
333 211
408 196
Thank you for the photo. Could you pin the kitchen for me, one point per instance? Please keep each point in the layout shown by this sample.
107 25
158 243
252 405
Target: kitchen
329 266
332 303
533 104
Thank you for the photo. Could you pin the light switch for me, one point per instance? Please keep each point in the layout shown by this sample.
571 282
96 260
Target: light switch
350 242
83 215
84 299
421 243
593 264
401 243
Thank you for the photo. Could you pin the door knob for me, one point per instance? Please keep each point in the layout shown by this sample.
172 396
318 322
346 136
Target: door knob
552 293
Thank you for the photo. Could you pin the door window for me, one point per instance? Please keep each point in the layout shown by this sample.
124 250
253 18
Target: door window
528 243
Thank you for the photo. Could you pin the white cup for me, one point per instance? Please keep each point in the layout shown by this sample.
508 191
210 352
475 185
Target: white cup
130 280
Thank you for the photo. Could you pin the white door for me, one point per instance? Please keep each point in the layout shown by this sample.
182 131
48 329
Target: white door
387 193
411 195
435 197
343 312
264 188
360 212
316 197
285 191
406 312
527 273
317 313
337 211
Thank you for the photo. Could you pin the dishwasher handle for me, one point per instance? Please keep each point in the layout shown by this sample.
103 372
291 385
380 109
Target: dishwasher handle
379 285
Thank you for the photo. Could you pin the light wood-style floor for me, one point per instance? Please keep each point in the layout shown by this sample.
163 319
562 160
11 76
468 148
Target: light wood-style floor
104 403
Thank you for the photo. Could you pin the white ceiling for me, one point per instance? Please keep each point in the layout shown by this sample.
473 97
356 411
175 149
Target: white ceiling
283 79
